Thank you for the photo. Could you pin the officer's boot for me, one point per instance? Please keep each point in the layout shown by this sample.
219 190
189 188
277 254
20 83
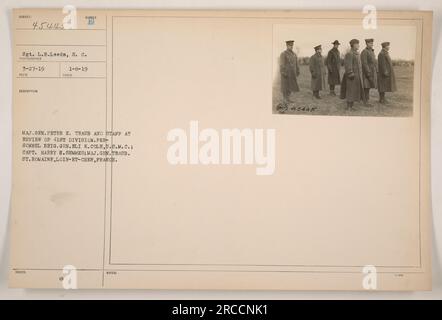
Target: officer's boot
382 97
367 97
316 94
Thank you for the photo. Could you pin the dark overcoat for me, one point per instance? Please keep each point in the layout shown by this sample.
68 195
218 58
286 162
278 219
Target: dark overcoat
386 78
369 68
351 88
333 63
317 70
289 70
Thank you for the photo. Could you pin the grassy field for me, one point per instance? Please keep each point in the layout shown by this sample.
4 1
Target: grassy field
399 103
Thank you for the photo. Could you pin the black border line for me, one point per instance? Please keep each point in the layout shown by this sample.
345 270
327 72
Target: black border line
105 170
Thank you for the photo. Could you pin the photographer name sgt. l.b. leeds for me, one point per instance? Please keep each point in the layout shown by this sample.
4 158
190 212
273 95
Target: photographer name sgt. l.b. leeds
367 82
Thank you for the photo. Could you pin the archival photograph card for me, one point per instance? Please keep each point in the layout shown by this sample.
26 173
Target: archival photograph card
244 150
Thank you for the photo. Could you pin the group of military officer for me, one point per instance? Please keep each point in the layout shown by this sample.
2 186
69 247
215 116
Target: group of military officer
362 72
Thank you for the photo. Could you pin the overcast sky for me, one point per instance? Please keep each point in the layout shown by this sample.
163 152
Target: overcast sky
401 37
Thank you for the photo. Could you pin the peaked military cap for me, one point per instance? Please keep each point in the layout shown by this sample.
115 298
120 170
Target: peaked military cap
354 41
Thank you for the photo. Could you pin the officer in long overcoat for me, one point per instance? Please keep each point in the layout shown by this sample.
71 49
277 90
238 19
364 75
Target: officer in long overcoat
317 71
289 70
351 88
386 78
369 69
333 63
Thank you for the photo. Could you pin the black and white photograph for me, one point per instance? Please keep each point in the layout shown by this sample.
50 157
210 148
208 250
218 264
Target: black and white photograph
344 70
236 153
